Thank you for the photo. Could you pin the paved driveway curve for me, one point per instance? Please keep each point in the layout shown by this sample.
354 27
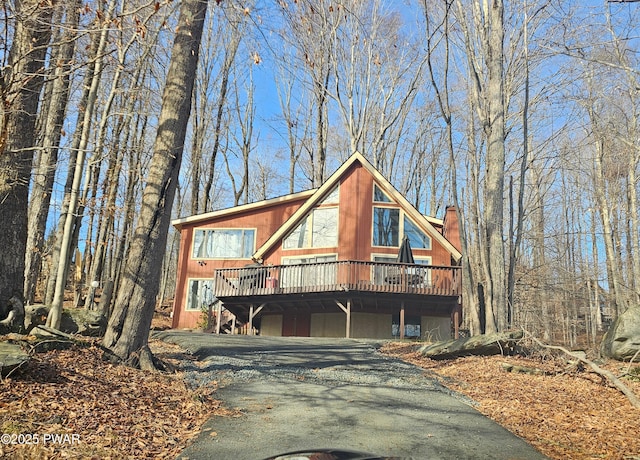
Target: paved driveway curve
311 393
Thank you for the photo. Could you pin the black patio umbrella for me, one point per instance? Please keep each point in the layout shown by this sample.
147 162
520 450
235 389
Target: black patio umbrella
404 254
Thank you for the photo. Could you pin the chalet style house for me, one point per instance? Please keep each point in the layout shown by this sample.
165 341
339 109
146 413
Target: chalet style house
323 263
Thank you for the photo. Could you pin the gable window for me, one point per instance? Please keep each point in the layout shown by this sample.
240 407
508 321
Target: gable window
200 294
386 226
333 197
379 196
230 243
319 229
417 238
390 225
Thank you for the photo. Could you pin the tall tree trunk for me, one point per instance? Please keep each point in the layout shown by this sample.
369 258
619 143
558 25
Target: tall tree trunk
494 179
52 119
20 85
470 297
612 260
229 59
128 329
54 262
55 313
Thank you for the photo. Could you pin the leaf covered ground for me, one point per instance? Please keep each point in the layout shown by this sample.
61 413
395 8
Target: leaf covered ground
114 411
118 412
566 412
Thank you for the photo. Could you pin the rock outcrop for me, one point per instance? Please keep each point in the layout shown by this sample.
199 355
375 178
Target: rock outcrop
622 340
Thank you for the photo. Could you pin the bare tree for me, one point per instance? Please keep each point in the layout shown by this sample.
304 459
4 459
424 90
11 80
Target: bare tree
231 28
21 80
241 140
52 114
128 329
483 29
82 134
309 28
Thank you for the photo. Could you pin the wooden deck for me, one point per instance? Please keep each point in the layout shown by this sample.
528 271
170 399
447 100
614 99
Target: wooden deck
338 276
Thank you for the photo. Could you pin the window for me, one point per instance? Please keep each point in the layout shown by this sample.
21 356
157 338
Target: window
200 294
302 271
386 226
333 197
417 238
223 243
381 272
412 326
319 229
388 232
379 196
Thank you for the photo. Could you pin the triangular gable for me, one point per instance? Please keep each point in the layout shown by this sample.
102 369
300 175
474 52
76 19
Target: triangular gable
329 185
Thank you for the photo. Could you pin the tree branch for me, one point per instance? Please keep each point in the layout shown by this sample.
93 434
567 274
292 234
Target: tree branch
616 382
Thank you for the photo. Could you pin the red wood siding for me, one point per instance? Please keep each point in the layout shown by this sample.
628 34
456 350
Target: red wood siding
355 226
264 220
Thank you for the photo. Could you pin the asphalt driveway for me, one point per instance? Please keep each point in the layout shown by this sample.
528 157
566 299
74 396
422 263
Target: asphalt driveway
311 393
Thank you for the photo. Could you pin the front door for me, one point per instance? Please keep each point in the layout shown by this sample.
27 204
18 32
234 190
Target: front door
297 324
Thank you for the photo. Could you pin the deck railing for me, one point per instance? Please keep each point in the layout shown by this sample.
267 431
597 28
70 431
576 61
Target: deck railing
346 275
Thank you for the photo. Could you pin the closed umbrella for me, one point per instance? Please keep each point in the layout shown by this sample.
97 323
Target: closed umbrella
404 254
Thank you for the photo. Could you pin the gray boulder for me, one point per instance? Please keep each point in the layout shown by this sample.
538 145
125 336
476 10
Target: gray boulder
622 340
486 344
11 356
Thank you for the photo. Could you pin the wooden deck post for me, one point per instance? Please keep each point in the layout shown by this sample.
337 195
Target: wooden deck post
250 330
347 311
401 320
252 314
218 317
348 332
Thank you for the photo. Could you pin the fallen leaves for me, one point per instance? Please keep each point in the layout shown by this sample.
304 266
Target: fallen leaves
118 412
574 415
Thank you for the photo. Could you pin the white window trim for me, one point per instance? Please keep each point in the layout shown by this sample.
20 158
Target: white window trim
193 242
415 257
373 196
309 229
401 216
188 291
308 256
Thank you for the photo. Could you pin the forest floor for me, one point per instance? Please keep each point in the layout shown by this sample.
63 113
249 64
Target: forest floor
118 412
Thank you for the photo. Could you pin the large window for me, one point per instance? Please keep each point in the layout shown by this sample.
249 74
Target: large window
386 226
200 295
417 238
319 229
382 272
304 271
388 231
234 243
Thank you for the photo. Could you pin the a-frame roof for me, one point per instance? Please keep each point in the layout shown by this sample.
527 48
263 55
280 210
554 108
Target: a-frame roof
331 183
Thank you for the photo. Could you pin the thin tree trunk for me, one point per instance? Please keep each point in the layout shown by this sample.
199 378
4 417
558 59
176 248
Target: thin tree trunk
229 59
127 333
612 260
56 105
55 313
